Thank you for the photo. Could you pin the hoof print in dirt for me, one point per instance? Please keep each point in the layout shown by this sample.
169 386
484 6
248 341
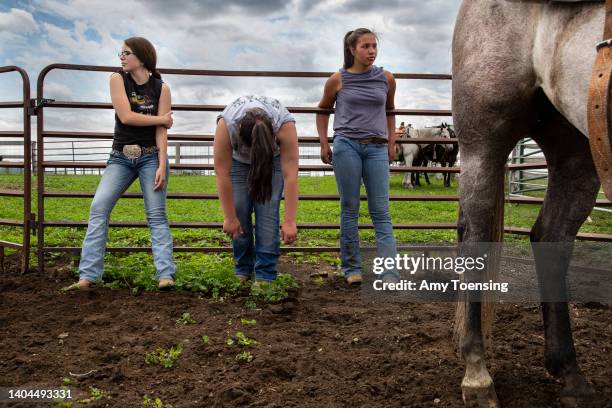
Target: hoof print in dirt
234 396
283 308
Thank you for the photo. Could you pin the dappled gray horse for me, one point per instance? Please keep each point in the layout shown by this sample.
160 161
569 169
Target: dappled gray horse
522 69
410 151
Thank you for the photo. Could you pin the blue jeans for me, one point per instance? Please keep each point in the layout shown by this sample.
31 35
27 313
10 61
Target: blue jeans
259 255
353 162
120 173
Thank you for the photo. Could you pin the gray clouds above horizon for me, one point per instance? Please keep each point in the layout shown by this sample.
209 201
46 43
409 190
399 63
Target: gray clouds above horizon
415 36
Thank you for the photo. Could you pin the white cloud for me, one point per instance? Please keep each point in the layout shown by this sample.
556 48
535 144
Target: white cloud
14 25
300 35
17 21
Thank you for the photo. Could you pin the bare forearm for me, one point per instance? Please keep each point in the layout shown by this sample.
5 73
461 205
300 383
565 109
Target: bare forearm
291 198
161 141
138 119
391 128
224 188
322 125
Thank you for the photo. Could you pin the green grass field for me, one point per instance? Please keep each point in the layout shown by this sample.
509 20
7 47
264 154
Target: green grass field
77 209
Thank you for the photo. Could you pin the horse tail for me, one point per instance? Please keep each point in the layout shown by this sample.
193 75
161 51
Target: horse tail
491 272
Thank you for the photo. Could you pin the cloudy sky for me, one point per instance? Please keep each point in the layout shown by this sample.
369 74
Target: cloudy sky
306 35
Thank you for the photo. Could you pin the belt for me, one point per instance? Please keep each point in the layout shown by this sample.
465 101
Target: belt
373 140
135 151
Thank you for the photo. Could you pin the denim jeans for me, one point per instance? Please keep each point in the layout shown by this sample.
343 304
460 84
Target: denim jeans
259 255
120 173
353 162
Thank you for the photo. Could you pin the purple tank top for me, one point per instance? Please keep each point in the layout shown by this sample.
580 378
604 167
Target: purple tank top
361 104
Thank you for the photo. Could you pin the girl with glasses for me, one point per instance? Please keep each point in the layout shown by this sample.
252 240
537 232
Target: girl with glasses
140 151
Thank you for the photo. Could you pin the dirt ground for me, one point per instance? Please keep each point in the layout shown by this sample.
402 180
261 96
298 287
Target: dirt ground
324 349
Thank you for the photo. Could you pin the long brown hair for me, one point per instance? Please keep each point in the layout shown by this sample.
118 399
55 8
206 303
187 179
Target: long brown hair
145 52
350 41
256 132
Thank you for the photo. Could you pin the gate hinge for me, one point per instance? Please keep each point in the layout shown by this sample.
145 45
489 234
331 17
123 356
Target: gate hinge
36 104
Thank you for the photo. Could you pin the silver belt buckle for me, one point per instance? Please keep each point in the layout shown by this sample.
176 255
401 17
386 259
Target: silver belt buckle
132 151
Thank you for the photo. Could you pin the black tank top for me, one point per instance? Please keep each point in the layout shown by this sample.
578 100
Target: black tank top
143 99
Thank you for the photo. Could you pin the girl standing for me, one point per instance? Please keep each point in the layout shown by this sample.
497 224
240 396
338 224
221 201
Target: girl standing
140 143
363 146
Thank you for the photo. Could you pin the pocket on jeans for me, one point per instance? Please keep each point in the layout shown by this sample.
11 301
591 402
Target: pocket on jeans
339 142
112 156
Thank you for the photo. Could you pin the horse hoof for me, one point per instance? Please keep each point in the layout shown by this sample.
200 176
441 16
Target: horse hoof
575 397
575 402
480 397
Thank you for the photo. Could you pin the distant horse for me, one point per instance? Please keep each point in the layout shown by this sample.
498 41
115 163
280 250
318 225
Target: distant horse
428 152
522 69
411 152
449 156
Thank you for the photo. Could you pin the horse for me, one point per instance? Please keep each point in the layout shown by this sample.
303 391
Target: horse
449 156
432 153
404 132
522 69
413 153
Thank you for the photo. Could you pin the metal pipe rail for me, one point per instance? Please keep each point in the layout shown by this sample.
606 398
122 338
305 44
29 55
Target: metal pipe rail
308 197
219 225
211 138
192 166
26 165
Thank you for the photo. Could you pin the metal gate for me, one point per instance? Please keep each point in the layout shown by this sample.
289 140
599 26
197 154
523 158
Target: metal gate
43 164
25 166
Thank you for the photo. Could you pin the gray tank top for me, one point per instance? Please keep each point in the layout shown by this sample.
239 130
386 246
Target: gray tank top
361 104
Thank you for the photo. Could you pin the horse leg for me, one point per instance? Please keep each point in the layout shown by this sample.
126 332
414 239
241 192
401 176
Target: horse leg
488 125
445 175
451 163
425 173
437 176
416 175
480 216
572 189
408 160
406 182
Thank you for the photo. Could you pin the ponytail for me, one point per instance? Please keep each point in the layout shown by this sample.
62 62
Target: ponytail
155 73
350 41
349 59
262 163
257 133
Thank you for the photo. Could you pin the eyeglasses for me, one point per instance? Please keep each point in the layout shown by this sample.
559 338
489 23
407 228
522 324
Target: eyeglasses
124 54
